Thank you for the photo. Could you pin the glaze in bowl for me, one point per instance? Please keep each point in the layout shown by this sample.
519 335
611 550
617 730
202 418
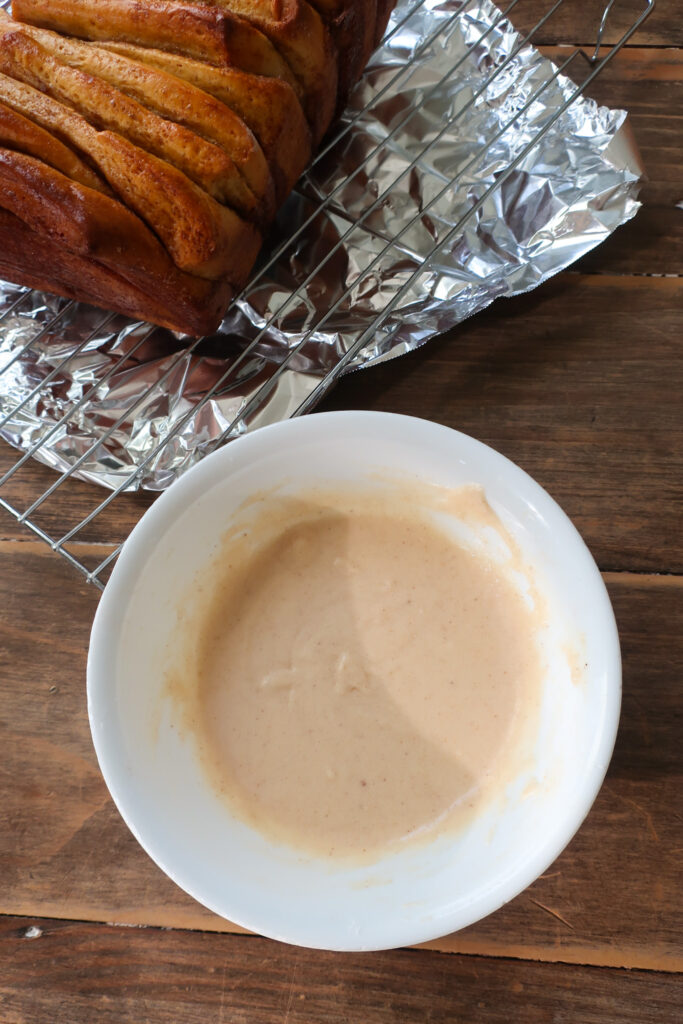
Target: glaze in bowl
423 891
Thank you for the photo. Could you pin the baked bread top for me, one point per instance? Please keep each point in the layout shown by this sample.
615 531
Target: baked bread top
180 123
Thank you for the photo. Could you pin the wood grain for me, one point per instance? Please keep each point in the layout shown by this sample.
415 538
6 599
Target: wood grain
94 972
577 21
611 898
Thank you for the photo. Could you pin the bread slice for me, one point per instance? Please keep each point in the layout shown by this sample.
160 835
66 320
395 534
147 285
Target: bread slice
60 236
106 107
175 101
267 105
299 33
17 132
203 32
28 258
202 236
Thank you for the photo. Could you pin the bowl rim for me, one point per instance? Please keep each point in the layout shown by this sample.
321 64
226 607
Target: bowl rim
110 613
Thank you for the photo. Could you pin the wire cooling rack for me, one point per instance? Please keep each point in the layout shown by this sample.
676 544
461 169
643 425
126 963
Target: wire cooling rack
56 513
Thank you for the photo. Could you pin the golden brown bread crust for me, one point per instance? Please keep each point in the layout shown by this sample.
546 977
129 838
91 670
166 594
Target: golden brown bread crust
202 237
300 35
213 123
203 32
277 38
28 258
17 132
107 107
268 106
61 236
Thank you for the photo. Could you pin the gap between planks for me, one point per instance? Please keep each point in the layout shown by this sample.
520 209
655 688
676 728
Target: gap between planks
624 958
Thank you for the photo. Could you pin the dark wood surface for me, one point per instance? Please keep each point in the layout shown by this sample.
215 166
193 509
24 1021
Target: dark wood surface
103 974
580 383
578 22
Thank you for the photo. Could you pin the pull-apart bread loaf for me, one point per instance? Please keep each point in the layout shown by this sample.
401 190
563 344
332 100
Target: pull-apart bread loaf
146 144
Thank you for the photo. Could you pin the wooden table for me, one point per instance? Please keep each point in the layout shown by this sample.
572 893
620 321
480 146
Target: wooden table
580 383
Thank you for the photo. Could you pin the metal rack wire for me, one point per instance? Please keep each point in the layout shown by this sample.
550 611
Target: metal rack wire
42 514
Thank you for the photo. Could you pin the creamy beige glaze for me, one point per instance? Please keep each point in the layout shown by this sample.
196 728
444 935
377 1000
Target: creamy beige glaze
356 677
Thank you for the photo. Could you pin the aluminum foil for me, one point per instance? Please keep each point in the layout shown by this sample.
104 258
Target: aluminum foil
407 180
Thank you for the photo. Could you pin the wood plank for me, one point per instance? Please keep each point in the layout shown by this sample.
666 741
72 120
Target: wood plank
611 898
82 972
577 21
578 382
651 243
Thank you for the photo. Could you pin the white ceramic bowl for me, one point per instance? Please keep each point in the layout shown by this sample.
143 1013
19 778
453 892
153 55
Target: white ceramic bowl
152 771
